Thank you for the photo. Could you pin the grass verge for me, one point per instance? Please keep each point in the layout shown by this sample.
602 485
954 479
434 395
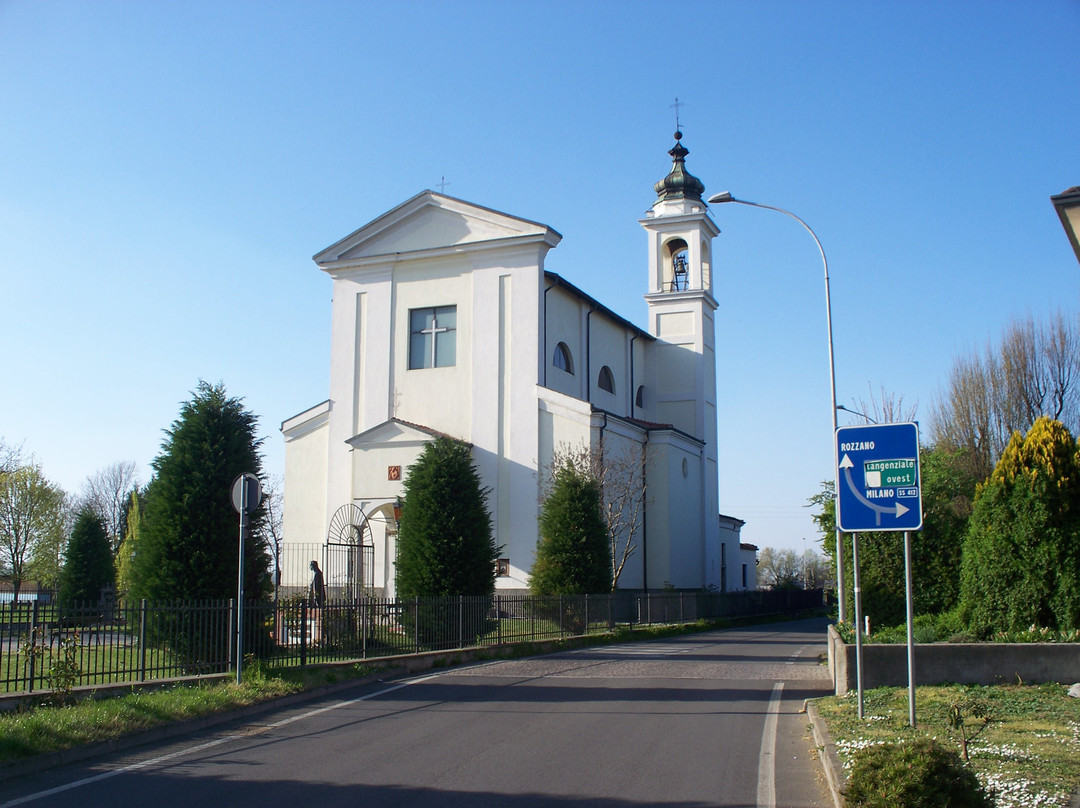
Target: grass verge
47 727
1029 753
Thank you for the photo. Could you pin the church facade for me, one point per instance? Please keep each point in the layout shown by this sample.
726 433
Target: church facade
445 321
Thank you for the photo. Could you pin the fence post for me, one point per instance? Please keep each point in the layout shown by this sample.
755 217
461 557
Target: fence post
586 614
461 621
33 630
682 609
142 640
561 632
303 633
363 624
498 618
416 624
231 632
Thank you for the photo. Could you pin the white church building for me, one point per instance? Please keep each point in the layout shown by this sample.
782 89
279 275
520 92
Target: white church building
445 321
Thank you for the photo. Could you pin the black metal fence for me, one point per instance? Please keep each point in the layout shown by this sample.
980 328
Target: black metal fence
50 646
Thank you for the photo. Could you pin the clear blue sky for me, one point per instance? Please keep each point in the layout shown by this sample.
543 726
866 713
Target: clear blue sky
167 170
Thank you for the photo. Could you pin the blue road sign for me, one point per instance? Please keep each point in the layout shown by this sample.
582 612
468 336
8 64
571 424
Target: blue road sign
878 486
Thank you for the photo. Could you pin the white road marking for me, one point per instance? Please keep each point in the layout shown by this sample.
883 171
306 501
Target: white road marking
645 649
766 786
208 745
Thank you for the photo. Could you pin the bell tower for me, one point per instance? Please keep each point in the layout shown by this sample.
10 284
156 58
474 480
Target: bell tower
681 302
681 311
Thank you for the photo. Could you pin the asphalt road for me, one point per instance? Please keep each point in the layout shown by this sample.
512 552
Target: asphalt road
703 720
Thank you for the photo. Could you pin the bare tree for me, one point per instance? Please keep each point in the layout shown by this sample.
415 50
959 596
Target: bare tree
10 457
273 524
622 480
885 407
816 571
1034 371
108 492
778 568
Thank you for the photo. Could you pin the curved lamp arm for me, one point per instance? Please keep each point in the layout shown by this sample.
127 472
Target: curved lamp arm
725 196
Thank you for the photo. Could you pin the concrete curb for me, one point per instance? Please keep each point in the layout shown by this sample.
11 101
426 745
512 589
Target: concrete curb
830 760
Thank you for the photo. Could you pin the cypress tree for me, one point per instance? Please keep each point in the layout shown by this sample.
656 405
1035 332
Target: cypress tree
445 545
127 554
573 555
88 566
190 531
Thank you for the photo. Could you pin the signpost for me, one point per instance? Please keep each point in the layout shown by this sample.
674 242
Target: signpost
878 488
246 493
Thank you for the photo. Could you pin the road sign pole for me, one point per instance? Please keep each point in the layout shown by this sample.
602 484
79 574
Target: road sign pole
240 586
245 494
858 620
910 629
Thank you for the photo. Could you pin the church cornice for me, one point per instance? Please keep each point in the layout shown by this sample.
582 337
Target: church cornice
651 427
445 223
304 422
678 221
559 281
395 431
691 295
510 244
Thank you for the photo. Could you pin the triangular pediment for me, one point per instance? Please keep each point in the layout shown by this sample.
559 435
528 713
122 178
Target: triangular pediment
393 432
431 221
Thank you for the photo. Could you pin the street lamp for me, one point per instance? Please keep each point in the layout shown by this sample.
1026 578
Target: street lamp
1068 208
725 196
869 420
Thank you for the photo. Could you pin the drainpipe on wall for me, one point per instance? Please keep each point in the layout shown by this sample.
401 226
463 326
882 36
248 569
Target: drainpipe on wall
644 517
588 355
544 358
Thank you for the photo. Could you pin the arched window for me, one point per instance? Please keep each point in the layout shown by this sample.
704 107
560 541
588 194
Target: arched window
606 381
639 397
563 359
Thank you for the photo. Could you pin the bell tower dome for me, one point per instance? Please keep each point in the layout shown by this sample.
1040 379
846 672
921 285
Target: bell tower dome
680 231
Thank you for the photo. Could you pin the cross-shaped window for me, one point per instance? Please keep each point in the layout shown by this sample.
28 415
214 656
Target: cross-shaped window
433 337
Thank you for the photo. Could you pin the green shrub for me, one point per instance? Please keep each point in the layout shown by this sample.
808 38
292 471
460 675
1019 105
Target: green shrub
573 556
1037 634
1021 561
946 627
919 774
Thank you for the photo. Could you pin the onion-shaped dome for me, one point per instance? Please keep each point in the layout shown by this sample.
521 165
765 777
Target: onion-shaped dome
680 183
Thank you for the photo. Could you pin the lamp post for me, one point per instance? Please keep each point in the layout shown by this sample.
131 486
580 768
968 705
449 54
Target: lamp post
725 196
1067 204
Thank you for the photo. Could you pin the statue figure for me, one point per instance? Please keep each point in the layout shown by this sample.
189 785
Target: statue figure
317 590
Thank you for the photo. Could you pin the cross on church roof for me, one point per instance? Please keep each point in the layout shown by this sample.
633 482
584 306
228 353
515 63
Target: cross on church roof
442 184
675 107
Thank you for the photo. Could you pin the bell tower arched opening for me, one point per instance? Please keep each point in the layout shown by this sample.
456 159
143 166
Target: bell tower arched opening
676 266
